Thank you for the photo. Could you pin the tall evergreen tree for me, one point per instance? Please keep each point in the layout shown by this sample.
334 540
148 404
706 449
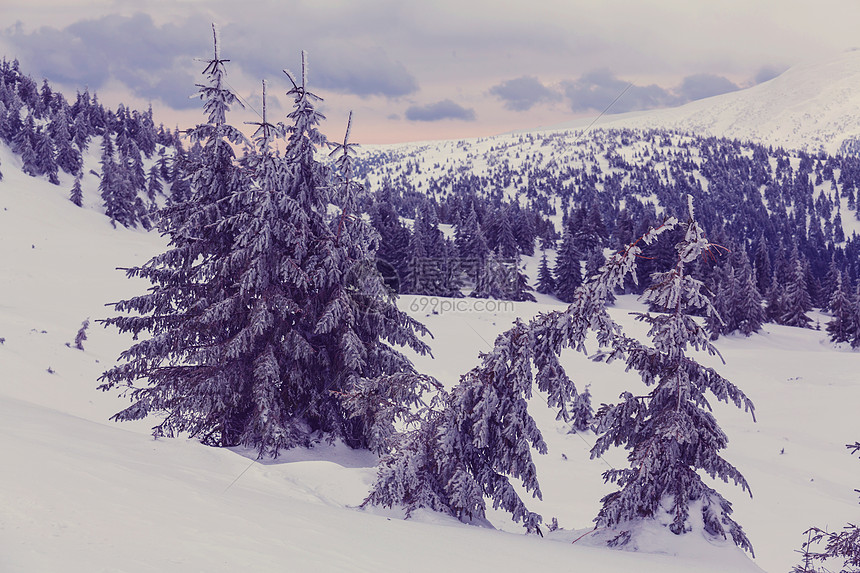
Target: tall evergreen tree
46 156
748 312
68 157
264 314
22 144
472 249
393 242
154 186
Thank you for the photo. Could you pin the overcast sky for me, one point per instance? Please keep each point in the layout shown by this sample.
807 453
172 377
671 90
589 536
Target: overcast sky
431 69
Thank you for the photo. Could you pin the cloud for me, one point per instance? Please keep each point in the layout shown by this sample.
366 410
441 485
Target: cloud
363 72
153 61
157 61
445 109
699 86
334 66
523 93
598 90
601 89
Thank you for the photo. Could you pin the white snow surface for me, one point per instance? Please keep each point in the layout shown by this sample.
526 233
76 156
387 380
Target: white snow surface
80 493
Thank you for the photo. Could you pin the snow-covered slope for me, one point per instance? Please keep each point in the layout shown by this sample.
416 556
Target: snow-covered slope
812 106
80 493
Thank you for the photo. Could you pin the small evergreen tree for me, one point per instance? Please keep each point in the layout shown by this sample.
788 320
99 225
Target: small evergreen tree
581 413
81 336
77 194
546 282
749 314
841 307
46 156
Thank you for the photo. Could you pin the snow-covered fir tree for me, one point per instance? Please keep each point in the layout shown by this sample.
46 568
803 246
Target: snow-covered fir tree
841 326
671 433
582 412
472 245
68 156
264 315
476 438
737 302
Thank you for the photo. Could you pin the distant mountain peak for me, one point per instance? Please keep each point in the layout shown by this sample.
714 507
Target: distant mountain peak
813 106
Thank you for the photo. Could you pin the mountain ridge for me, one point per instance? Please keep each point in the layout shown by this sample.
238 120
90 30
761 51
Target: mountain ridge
813 106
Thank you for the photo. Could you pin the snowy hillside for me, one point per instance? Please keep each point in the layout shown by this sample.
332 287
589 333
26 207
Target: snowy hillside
814 106
81 493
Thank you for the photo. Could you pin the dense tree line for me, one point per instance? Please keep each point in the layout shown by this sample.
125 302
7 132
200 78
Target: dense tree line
51 136
778 214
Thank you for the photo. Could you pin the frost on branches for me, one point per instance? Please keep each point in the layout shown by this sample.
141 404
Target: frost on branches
671 433
481 435
269 324
474 439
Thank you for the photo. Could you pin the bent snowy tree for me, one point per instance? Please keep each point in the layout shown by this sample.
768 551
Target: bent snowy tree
467 450
671 433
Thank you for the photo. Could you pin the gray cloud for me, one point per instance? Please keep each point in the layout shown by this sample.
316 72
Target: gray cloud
699 86
596 90
158 61
445 109
153 61
339 63
523 93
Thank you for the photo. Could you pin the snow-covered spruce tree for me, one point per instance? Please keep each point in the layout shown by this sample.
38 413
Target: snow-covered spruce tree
502 279
671 433
183 379
737 301
481 434
379 384
256 339
748 311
